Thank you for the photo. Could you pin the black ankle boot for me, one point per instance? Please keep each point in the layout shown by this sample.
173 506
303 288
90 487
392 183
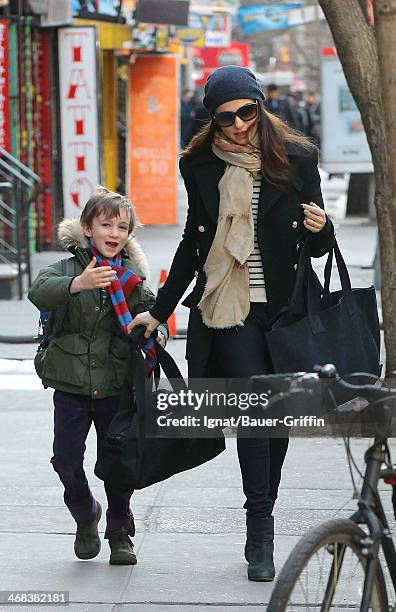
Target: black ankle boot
259 548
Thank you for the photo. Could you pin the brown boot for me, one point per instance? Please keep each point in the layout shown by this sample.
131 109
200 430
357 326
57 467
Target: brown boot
87 542
121 547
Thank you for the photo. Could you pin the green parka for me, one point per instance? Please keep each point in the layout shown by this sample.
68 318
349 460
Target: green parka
88 355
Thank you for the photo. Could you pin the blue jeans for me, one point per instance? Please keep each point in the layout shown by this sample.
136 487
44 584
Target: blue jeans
73 417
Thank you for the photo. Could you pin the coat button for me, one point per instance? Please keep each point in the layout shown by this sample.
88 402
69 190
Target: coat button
294 224
97 308
295 266
201 228
93 364
297 247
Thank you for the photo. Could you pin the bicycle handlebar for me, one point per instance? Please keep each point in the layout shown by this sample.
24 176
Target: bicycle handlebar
326 381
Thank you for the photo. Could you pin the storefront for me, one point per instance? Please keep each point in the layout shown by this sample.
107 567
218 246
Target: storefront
137 107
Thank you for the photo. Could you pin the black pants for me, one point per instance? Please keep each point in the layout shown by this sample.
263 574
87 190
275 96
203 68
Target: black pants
241 352
73 417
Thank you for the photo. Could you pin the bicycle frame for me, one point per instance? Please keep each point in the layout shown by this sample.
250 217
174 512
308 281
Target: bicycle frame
371 513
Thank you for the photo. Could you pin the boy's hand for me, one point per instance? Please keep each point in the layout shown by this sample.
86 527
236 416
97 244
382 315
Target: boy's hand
92 278
144 318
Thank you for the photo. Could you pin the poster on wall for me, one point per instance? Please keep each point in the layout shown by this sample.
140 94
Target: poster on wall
79 116
152 138
218 31
5 135
344 143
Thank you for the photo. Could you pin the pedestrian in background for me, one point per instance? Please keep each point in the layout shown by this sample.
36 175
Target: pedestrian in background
254 196
186 117
284 107
200 116
294 114
276 103
312 117
86 359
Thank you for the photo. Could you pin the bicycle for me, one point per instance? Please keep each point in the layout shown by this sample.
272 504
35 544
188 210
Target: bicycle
336 566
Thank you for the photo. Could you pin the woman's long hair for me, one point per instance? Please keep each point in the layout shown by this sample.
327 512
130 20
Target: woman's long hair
273 135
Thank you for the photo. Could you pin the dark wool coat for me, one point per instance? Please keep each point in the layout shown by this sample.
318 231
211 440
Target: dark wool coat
281 234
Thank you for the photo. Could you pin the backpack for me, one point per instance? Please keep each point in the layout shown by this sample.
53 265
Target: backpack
51 323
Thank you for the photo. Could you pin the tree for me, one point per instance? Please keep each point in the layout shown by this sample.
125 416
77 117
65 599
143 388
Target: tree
368 57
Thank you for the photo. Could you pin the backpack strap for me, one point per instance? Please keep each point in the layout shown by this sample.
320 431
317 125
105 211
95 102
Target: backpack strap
57 317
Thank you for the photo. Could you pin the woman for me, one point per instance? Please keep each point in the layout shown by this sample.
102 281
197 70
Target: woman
254 196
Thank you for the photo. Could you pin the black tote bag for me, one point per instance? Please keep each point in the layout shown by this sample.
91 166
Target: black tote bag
128 459
319 326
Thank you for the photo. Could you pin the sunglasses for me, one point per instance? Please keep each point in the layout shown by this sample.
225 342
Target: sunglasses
227 118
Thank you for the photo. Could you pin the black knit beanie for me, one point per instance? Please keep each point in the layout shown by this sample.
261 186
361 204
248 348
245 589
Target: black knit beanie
230 83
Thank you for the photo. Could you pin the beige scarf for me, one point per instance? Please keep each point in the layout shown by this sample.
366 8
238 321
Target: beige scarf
226 300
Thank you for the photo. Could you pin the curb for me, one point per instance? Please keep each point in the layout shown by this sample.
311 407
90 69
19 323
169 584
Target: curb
19 340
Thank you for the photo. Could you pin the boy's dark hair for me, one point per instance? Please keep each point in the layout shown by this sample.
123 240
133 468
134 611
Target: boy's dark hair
108 203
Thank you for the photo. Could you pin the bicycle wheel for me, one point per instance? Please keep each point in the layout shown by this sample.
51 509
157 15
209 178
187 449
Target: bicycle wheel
325 572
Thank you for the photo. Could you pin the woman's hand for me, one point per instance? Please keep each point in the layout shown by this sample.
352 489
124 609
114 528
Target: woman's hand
161 339
92 278
315 217
148 321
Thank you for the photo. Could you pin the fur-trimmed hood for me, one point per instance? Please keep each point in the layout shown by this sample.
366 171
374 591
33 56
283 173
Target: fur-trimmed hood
71 234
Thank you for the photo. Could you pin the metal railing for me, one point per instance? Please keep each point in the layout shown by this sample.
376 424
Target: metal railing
19 187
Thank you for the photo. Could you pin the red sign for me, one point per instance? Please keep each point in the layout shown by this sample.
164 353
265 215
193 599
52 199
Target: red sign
4 93
207 59
43 150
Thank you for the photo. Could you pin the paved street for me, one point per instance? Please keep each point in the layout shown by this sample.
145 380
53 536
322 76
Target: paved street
190 529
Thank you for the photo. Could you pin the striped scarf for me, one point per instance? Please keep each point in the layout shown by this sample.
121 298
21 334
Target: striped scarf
120 289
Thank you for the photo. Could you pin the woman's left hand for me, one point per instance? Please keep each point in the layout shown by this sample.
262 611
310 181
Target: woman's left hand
161 339
315 217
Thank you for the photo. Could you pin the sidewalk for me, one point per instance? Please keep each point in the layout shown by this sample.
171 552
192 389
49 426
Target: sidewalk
190 528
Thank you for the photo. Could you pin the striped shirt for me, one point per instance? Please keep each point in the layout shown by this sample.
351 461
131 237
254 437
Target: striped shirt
256 274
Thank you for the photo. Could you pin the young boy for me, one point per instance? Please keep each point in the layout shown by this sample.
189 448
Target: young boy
86 359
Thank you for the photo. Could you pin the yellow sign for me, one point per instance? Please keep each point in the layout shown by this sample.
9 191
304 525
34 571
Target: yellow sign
195 35
191 37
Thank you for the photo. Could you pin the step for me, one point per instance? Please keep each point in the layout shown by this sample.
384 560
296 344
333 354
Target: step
8 271
9 281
